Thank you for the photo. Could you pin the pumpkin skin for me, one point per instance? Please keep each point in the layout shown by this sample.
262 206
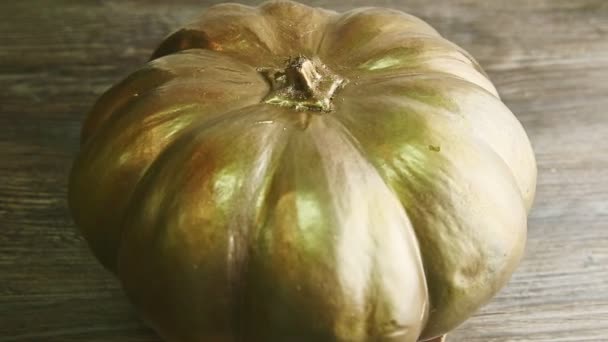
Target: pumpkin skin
288 173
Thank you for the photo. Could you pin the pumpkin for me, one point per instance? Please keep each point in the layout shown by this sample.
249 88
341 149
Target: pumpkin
288 173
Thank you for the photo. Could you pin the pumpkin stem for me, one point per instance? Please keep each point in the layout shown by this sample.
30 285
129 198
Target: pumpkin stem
304 84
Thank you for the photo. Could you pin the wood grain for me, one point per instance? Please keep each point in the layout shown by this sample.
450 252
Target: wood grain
548 59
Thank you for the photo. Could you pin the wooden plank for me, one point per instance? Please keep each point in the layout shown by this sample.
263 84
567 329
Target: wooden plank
548 59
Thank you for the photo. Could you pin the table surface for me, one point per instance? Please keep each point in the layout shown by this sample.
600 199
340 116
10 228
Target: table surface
548 59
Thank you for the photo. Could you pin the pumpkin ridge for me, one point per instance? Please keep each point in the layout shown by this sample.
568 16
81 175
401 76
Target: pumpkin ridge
449 95
195 178
215 30
100 114
163 74
326 154
421 176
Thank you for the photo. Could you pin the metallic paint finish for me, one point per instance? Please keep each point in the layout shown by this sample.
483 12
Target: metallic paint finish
287 173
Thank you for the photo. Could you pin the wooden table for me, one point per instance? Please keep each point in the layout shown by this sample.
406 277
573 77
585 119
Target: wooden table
548 58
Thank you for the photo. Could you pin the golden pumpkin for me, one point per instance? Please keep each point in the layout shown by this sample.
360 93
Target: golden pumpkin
288 173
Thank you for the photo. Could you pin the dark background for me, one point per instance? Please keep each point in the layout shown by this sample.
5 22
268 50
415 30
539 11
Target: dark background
548 59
